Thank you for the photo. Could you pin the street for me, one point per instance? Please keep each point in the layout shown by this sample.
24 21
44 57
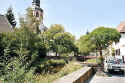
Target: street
113 77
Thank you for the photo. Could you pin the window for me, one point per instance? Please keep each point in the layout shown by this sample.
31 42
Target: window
37 14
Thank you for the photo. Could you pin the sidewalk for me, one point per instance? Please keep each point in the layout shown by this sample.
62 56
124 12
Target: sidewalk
102 79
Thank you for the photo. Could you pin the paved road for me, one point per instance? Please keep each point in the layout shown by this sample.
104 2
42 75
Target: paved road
115 78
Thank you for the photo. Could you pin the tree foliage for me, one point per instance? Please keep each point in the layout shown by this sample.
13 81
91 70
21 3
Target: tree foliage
59 40
22 46
10 17
85 45
54 29
23 50
103 37
98 39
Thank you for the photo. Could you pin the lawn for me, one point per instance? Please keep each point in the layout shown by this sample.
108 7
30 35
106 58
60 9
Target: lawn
91 61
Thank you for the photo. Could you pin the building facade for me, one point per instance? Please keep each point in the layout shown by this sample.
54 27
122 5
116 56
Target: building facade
120 46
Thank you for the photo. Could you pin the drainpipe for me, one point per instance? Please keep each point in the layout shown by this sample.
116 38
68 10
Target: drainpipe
123 59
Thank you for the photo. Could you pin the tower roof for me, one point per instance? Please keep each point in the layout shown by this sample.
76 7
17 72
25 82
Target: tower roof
36 2
121 27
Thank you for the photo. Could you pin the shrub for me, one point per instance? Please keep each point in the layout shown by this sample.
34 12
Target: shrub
67 69
100 60
14 73
55 62
18 51
50 66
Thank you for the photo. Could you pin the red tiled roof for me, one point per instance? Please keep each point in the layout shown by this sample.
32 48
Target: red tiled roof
121 27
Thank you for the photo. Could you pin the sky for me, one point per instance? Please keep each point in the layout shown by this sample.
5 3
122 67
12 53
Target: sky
77 16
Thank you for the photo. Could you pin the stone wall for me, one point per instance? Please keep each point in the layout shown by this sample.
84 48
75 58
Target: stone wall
80 76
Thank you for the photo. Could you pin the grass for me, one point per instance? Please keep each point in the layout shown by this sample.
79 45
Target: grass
91 60
67 69
98 61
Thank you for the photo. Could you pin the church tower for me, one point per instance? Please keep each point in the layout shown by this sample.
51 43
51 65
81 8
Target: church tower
37 11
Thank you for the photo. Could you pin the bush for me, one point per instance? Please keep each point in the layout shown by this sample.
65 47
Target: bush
14 73
50 66
55 62
67 69
18 51
100 60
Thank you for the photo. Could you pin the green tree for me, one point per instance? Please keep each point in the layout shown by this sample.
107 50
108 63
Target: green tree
20 50
85 45
103 37
56 28
50 33
64 43
10 17
23 43
60 41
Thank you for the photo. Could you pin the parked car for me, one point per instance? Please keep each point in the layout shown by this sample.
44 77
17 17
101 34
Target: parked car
113 64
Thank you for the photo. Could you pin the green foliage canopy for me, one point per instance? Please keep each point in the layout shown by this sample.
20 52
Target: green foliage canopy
59 40
85 45
103 37
10 17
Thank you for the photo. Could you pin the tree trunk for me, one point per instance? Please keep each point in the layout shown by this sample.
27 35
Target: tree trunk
101 57
100 52
56 53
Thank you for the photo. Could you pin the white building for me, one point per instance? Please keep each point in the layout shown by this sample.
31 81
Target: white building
120 46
